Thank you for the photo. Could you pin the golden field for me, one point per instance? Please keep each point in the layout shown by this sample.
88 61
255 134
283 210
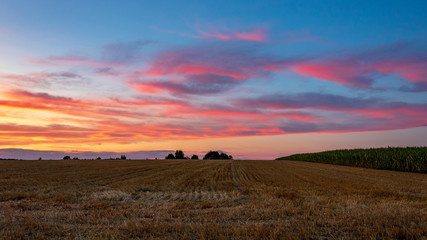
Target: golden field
197 199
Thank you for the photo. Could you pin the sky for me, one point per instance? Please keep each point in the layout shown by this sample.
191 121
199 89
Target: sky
255 79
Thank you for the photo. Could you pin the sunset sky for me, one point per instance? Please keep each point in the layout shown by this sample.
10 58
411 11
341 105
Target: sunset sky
256 79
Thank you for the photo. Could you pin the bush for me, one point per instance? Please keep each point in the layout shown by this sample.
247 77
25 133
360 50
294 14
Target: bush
194 157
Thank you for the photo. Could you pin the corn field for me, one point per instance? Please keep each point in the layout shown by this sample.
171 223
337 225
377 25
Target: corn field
409 159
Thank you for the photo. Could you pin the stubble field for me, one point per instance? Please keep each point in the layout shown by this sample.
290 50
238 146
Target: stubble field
196 199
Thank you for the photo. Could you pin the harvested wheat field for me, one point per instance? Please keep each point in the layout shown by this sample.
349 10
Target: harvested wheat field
195 199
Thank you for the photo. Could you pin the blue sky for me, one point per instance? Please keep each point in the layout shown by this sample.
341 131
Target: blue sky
149 75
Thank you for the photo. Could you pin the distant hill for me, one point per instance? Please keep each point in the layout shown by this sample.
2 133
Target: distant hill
28 154
409 159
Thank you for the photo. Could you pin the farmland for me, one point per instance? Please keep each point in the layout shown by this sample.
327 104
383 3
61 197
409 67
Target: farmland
409 159
196 199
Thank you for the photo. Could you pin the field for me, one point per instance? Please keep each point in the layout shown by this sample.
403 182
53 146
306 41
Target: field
409 159
196 199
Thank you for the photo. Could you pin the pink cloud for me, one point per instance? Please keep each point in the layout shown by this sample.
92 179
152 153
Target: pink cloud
203 70
355 74
362 69
367 110
268 115
159 70
226 34
414 71
221 36
257 35
173 95
345 73
150 100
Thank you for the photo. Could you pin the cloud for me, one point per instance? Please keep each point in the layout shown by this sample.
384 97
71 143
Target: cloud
113 55
74 60
38 78
105 108
201 84
405 59
414 87
50 131
205 69
257 35
202 91
307 100
46 99
223 34
238 113
120 52
355 125
330 102
341 72
151 100
125 121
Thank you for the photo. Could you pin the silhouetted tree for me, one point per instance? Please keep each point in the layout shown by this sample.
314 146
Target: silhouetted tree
212 155
194 157
40 158
98 158
179 154
217 155
75 158
67 158
170 156
123 157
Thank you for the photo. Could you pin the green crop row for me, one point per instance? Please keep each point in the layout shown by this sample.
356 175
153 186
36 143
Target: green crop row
409 159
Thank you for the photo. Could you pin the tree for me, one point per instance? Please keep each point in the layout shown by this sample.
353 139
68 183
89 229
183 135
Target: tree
67 158
75 158
123 157
217 155
170 156
212 155
98 158
40 158
179 154
194 157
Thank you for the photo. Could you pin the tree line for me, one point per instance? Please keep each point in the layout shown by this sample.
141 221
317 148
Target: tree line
179 154
122 157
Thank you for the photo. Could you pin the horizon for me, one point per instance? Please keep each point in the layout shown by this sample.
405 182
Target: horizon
254 80
29 154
